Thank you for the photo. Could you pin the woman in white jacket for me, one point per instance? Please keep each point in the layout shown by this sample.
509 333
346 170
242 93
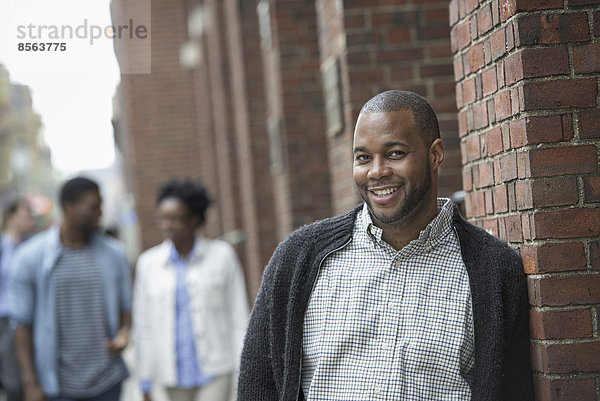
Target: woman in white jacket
190 306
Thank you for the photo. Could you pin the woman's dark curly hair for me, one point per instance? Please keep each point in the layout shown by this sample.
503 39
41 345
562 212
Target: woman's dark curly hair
192 194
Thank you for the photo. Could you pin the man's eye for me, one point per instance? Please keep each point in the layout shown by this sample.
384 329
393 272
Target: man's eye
397 153
361 158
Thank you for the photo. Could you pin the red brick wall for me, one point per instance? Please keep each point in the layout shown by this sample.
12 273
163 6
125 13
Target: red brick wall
157 115
249 119
528 111
295 116
404 45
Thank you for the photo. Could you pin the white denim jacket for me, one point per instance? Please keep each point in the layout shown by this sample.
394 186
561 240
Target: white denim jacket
218 304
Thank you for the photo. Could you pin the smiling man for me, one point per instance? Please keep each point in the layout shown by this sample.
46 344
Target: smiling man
399 299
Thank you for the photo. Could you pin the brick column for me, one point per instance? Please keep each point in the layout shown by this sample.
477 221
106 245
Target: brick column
248 115
527 90
218 62
206 150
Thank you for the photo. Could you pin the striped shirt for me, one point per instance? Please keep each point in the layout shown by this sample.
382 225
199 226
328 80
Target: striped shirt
85 368
391 325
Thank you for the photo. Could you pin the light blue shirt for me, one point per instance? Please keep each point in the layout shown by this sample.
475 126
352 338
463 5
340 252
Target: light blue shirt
189 372
7 249
33 295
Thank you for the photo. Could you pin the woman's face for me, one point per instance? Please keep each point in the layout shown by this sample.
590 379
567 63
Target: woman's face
175 221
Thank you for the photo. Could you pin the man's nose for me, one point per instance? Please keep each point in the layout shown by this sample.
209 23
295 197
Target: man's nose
379 169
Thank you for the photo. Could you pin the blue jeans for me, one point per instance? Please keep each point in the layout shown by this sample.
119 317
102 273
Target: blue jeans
10 378
111 394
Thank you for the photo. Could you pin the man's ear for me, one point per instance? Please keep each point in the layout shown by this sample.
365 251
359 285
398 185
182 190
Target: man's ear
436 153
66 208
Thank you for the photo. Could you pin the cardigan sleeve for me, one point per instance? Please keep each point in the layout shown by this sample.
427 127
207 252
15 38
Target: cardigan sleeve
256 377
517 383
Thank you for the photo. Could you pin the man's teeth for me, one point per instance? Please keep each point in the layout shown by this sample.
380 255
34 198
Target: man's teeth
384 192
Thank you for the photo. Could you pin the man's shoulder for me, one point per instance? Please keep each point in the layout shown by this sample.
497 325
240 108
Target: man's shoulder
39 241
317 237
478 237
32 252
340 223
478 244
111 244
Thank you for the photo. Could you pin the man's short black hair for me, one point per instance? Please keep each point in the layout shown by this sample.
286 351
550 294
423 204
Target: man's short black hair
395 100
193 194
72 190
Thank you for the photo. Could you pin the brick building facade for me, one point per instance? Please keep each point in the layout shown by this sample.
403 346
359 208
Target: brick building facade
264 117
527 91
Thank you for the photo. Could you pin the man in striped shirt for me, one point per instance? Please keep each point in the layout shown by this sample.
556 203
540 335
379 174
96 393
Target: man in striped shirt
399 299
71 298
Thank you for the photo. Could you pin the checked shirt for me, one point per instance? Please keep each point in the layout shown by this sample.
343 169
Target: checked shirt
383 324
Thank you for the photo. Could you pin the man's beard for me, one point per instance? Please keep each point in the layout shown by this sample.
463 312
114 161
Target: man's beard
410 202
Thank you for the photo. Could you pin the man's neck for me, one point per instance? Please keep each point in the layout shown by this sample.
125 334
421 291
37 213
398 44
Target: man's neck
401 233
74 238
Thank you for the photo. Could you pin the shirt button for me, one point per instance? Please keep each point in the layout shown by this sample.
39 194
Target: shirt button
372 230
385 346
398 263
377 390
428 248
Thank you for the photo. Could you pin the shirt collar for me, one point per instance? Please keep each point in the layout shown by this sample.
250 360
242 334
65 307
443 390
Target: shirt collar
429 237
195 253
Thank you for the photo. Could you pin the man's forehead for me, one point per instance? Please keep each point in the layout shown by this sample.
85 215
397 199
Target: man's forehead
384 121
402 114
91 195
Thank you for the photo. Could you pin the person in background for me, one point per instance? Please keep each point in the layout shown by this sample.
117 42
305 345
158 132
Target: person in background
17 223
71 299
398 299
190 303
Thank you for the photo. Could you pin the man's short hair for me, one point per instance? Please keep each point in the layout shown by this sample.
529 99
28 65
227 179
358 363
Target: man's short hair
395 100
193 194
73 189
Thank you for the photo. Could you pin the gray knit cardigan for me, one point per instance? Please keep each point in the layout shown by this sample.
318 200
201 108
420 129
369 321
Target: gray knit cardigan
272 356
